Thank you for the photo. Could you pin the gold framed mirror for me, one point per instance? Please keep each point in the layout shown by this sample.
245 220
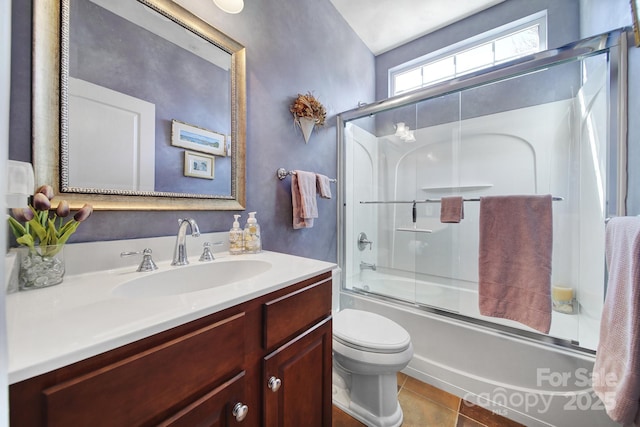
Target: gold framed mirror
168 186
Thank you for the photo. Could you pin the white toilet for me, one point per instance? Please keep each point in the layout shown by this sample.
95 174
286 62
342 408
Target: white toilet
368 352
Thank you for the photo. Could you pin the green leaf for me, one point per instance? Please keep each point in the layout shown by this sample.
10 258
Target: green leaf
44 216
67 226
26 240
17 228
70 228
37 230
52 234
51 250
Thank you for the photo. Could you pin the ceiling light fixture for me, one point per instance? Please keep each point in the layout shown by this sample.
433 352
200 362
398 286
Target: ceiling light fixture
404 133
230 6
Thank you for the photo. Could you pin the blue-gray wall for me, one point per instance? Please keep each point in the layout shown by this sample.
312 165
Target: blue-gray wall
293 46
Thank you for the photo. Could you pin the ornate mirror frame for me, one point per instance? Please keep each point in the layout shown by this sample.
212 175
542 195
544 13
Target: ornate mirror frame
49 109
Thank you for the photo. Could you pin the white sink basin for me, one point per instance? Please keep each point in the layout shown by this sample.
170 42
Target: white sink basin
191 278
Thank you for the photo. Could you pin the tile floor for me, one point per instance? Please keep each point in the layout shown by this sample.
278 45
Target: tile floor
424 405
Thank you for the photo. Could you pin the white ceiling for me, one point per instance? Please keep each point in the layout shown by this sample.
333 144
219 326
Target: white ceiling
385 24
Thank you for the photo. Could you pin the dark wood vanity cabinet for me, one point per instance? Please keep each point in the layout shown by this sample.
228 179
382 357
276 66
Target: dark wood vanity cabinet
264 362
298 377
297 369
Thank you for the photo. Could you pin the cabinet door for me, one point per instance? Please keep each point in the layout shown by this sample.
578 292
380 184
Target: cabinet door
221 407
303 368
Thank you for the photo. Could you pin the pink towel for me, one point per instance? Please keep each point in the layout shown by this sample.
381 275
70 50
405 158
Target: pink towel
303 198
616 371
324 186
516 236
451 209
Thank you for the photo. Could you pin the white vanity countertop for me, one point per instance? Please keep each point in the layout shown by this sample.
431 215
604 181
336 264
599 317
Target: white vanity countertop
53 327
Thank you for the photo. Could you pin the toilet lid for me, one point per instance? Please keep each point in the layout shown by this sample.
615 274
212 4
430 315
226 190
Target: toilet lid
369 331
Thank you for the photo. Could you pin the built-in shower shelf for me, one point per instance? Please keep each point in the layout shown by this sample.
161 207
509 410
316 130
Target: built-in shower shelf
461 187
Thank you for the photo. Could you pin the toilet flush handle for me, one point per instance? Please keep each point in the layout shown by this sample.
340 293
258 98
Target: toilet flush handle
274 384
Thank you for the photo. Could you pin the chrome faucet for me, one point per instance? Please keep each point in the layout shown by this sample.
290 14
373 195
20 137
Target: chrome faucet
180 251
367 266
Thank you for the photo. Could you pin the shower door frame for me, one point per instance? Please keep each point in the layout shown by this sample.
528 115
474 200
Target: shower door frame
614 43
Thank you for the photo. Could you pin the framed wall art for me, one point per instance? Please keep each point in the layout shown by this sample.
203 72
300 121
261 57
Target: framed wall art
198 139
199 165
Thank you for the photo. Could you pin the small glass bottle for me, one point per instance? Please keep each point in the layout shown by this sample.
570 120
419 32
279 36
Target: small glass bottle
236 243
252 241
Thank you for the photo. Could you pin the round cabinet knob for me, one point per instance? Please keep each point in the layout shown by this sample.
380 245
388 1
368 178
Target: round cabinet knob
240 411
274 384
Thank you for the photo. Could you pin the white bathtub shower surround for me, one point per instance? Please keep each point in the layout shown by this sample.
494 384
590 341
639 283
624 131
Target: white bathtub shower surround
529 382
549 124
498 154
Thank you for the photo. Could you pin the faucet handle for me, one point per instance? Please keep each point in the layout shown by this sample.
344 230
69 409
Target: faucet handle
147 263
207 255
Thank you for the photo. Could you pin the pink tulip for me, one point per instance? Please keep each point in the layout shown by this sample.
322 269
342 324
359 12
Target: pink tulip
83 213
22 214
41 202
63 209
47 190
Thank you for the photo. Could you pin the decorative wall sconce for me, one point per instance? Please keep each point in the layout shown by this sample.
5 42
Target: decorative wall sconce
230 6
307 112
404 133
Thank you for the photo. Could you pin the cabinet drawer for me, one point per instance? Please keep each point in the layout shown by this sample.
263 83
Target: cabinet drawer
296 311
213 409
143 387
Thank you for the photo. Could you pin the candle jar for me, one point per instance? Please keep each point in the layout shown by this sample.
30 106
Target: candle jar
562 300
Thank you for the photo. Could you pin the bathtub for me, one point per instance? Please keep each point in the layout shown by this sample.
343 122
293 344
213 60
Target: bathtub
456 297
532 382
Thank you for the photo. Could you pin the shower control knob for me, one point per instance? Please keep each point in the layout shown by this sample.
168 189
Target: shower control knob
240 411
363 241
274 384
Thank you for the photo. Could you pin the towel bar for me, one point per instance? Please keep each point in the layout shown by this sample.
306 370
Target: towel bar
282 173
475 199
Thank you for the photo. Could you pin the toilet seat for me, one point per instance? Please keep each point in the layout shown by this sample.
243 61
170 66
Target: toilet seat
370 332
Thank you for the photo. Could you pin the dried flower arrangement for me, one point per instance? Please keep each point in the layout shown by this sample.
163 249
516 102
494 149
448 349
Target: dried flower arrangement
309 107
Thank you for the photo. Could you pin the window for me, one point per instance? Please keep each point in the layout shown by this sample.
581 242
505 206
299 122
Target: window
520 38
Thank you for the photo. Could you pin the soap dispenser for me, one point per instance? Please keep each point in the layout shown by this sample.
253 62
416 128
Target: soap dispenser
236 244
252 242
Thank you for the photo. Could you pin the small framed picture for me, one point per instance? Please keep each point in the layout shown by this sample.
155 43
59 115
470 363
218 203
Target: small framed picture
199 165
196 138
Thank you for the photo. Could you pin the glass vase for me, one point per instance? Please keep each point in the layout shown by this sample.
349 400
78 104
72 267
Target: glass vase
41 267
